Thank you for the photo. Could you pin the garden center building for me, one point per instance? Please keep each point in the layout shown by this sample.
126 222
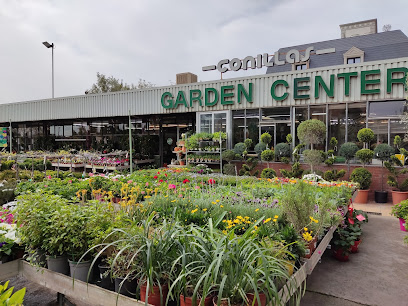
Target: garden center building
352 82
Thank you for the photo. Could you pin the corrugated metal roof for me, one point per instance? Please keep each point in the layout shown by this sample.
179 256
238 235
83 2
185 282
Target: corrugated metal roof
376 47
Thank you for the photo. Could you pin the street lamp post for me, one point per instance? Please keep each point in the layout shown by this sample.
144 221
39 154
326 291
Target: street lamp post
48 45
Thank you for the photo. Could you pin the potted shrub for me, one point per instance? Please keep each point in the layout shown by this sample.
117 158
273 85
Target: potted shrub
394 181
401 212
259 148
348 150
282 150
383 152
365 156
267 155
363 177
365 135
311 132
266 138
343 240
313 158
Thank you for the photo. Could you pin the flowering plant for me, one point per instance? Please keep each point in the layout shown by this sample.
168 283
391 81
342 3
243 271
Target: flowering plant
400 210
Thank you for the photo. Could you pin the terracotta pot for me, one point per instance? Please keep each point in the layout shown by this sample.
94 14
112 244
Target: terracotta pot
340 256
224 302
182 163
153 297
311 246
402 224
188 301
399 196
362 197
354 248
251 297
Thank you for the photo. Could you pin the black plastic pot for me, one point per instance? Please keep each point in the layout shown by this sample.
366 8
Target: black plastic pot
381 196
105 281
128 287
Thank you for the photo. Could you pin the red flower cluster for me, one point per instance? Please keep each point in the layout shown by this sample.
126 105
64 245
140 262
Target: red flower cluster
211 181
186 181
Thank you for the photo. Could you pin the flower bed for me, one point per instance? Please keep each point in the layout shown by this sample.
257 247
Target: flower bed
193 235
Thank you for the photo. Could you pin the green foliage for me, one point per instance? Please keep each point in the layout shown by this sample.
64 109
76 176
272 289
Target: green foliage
311 132
397 141
7 298
248 168
289 138
267 155
266 138
259 148
393 179
248 143
334 175
400 210
333 142
330 161
268 173
361 176
282 150
7 191
7 164
239 148
295 172
228 155
312 157
348 150
229 169
111 84
383 152
365 135
365 155
285 160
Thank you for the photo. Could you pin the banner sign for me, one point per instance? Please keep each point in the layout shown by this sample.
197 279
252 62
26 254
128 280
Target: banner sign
3 137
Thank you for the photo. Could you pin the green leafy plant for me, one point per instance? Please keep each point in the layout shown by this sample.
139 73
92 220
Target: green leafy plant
266 138
361 176
268 173
348 150
311 132
365 156
295 172
267 155
248 143
383 152
8 298
259 148
289 139
365 135
313 158
334 175
282 150
400 210
333 144
239 148
394 180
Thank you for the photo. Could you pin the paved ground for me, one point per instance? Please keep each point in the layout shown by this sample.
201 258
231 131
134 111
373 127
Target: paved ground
383 209
377 275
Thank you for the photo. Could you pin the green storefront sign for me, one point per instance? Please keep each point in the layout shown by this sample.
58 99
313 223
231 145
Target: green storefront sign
370 83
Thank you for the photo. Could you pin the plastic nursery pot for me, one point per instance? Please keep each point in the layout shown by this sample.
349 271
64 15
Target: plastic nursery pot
79 271
153 296
128 287
402 224
381 196
340 255
188 301
39 258
311 246
354 248
398 196
362 197
251 297
58 264
106 282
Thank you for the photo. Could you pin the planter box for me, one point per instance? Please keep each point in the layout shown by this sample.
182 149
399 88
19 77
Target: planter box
318 253
88 293
111 168
295 281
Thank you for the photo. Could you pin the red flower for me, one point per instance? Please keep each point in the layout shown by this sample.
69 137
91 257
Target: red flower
211 181
186 181
165 174
155 177
160 181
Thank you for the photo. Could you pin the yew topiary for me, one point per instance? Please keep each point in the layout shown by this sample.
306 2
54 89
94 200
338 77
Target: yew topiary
311 132
365 135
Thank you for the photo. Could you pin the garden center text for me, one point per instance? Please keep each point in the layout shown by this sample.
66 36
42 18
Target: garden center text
370 83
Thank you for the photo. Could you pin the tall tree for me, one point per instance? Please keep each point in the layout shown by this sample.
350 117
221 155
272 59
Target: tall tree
110 84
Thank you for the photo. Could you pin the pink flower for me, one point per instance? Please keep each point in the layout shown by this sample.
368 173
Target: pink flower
129 181
45 186
115 179
70 181
49 177
143 192
360 217
180 195
172 186
91 174
102 174
197 187
147 184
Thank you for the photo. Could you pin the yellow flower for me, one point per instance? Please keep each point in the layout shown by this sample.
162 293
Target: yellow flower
213 203
204 209
193 211
224 221
257 209
221 206
305 229
147 197
276 217
217 201
307 237
274 220
267 220
173 201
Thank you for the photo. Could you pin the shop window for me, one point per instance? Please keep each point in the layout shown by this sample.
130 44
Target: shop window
356 120
337 123
319 113
238 126
397 127
252 125
212 122
276 121
301 114
386 109
380 129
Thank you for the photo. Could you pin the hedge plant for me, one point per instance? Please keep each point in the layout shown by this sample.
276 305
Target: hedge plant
361 176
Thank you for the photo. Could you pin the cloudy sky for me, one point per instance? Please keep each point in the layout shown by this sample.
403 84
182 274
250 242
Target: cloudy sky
155 39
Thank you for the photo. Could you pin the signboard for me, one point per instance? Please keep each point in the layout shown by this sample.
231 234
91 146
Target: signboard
3 137
263 60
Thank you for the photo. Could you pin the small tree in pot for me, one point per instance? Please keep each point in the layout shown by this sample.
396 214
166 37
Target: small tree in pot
365 156
365 135
363 177
348 150
394 181
383 152
266 138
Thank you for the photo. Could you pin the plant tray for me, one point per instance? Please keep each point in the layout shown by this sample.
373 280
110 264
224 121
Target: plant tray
61 165
88 293
143 161
112 168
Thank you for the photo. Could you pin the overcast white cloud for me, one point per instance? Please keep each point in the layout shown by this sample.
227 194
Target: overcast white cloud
156 39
